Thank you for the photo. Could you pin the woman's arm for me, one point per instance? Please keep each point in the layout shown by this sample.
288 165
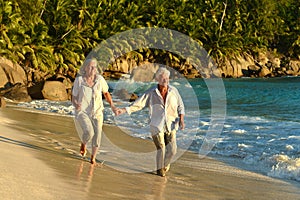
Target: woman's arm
75 103
110 101
75 94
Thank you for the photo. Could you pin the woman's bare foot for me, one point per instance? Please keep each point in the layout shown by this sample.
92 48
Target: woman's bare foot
93 160
83 149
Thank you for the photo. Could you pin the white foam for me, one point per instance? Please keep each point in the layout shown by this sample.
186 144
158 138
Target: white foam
272 140
289 147
175 83
188 85
64 108
244 146
294 137
239 131
285 167
227 126
204 123
258 127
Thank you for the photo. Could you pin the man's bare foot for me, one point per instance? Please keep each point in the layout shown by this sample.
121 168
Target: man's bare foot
83 149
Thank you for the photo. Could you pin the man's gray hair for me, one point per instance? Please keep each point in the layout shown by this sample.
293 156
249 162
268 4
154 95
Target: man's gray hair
85 64
161 71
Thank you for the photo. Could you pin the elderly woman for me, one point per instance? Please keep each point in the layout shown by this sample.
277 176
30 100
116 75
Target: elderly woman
166 112
87 99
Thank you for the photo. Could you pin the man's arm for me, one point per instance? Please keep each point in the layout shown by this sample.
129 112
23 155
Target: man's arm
181 121
181 111
137 105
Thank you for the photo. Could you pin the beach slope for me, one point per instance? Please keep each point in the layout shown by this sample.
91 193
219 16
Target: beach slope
40 160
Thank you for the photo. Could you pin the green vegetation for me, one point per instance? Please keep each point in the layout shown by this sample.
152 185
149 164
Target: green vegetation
52 35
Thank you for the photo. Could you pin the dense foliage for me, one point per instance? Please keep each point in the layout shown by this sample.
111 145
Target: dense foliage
58 34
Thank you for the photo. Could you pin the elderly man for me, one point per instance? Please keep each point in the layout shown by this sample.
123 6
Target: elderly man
166 112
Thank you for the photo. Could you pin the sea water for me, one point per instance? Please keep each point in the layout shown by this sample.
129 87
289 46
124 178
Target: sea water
260 125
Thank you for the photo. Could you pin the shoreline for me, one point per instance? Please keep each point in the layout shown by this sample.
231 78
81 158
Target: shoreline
47 148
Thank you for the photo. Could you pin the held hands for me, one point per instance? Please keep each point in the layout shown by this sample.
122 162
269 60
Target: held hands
121 111
114 109
118 111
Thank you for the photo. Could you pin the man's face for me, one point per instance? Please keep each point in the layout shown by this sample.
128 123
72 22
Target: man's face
163 80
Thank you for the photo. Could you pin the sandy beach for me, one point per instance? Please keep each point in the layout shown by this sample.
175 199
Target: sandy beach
40 160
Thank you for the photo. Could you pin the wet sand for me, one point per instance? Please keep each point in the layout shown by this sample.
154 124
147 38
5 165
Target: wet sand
40 160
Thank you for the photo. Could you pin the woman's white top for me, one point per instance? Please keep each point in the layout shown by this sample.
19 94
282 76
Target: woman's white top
90 98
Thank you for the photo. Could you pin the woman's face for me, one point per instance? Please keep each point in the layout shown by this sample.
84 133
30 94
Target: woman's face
91 68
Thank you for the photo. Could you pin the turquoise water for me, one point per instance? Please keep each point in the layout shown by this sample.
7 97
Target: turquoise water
262 126
259 120
276 99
